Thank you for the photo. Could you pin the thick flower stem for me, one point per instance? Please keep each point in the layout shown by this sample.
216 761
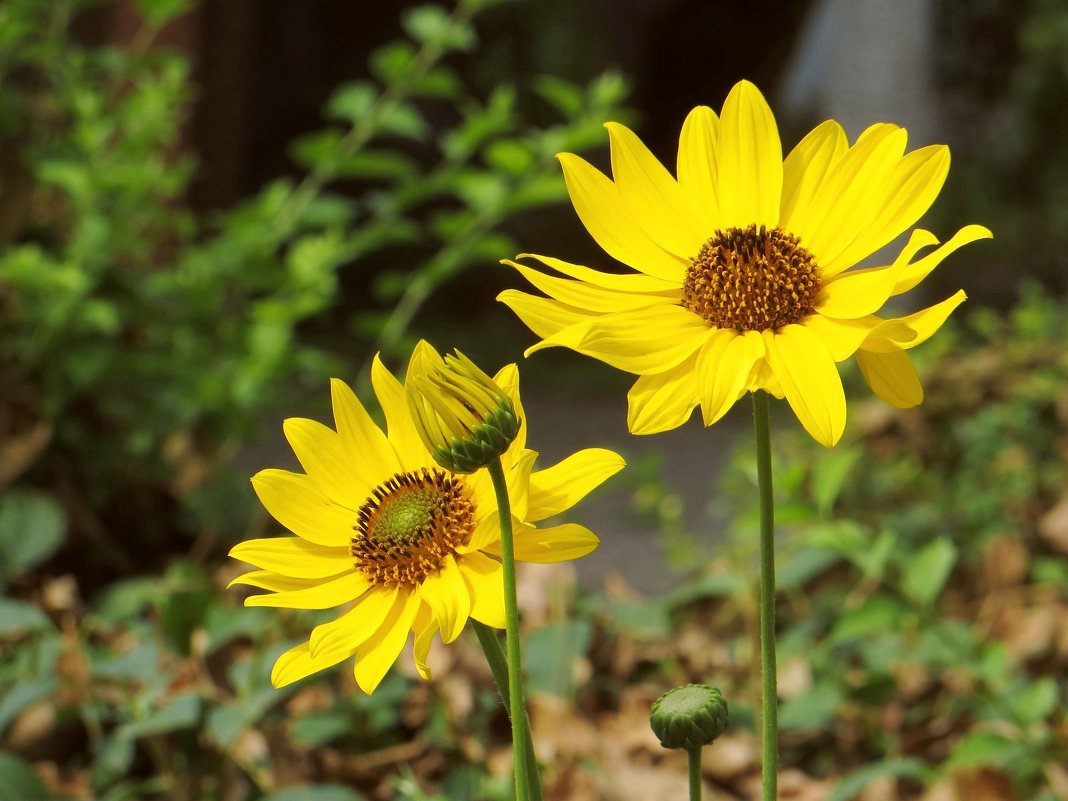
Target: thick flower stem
494 651
516 706
694 755
769 691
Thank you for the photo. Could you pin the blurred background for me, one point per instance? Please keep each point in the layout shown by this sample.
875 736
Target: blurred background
208 209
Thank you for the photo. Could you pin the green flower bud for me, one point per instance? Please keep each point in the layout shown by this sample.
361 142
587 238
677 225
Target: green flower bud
689 717
463 418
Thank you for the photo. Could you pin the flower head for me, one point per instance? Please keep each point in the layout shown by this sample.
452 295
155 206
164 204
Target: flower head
409 546
463 418
745 265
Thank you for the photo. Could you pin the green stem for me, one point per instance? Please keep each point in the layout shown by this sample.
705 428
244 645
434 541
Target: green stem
491 647
516 706
694 755
769 691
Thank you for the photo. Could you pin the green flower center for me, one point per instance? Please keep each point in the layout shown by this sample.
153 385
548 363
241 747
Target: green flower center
752 279
409 524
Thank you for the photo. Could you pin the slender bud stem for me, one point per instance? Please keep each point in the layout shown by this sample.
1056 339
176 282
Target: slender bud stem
694 755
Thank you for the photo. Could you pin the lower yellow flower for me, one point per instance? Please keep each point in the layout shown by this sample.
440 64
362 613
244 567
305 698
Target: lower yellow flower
745 265
411 546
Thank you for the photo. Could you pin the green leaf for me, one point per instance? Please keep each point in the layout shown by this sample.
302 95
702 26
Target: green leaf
22 695
1035 702
390 62
986 749
18 617
510 156
319 728
352 101
32 527
430 24
180 712
378 165
813 709
853 783
564 96
830 473
925 573
877 614
550 654
19 781
403 120
160 12
318 792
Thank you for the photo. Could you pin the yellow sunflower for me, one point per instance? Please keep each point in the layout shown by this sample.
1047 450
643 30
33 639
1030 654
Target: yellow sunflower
743 266
412 547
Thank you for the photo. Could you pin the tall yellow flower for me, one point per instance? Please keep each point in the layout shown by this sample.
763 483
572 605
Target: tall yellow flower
412 547
743 266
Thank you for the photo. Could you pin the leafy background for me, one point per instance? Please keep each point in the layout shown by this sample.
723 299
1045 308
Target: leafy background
169 291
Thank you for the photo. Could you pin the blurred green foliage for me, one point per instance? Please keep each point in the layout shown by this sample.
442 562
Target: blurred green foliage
141 341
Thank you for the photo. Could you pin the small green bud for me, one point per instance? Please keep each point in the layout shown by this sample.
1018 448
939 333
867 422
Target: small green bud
689 717
463 418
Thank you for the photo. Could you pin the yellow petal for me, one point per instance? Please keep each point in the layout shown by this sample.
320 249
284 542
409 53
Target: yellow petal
652 195
487 529
630 282
342 590
805 171
446 594
348 632
485 581
601 208
841 337
663 401
642 341
910 275
558 488
399 426
424 627
856 293
585 296
908 191
724 367
292 556
892 377
847 200
370 456
518 478
324 459
266 580
554 543
544 316
374 657
913 329
749 160
809 380
696 164
296 663
296 502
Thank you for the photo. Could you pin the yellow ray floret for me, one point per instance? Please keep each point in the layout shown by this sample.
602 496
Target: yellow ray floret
745 266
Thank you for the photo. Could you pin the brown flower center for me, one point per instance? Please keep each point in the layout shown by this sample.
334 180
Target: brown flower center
751 279
409 524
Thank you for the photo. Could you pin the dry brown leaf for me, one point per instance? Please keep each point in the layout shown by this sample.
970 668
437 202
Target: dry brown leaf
731 756
1053 526
984 784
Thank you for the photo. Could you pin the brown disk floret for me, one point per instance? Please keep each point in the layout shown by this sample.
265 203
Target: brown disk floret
751 279
409 524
